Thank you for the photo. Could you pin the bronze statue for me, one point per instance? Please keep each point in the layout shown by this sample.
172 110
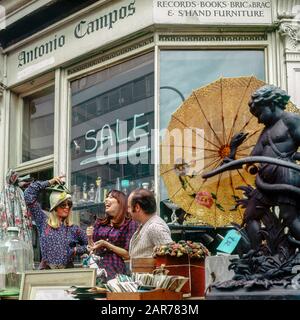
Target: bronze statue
277 185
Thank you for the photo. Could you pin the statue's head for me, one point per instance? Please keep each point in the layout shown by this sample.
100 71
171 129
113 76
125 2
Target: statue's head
266 102
269 95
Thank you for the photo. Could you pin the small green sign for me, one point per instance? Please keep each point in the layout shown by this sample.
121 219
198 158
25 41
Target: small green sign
230 241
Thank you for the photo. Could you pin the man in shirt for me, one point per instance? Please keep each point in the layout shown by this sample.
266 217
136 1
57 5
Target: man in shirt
153 230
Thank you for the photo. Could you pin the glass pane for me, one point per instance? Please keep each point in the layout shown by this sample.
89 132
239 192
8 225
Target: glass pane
112 118
38 125
182 71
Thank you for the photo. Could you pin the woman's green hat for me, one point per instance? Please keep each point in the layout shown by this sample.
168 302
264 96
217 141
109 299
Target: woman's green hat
58 195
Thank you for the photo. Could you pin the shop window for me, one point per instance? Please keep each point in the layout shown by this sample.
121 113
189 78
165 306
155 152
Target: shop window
182 71
38 125
119 114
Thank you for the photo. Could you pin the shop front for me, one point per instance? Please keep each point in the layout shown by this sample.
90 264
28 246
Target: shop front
91 95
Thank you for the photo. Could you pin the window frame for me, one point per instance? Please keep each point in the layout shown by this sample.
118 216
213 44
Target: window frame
38 164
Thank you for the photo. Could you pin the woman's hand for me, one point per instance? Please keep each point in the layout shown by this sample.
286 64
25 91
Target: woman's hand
107 245
57 180
100 244
89 248
90 231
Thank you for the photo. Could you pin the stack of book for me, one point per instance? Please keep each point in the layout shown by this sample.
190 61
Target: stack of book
146 281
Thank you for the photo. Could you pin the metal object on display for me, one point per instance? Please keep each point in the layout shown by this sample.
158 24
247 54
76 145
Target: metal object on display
76 194
118 184
171 205
91 194
145 185
98 198
84 193
105 192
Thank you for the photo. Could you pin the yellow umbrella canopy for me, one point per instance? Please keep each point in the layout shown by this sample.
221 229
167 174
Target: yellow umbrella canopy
197 140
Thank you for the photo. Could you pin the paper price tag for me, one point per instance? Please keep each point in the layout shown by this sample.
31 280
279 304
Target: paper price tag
230 241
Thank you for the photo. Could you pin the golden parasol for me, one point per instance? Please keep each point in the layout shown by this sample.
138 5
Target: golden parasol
198 139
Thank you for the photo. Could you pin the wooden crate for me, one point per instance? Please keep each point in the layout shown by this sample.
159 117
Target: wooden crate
143 265
157 294
193 269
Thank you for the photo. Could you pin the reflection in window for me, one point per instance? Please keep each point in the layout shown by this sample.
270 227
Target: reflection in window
182 71
112 118
38 125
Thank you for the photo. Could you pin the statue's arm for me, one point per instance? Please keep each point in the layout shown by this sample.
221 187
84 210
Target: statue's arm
292 121
235 142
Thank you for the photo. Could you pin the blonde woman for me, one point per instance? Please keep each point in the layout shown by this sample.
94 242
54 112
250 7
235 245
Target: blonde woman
60 239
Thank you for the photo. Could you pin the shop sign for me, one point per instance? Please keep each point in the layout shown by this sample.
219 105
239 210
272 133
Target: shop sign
82 36
109 23
213 12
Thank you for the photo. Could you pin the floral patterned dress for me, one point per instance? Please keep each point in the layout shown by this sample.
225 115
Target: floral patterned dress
57 245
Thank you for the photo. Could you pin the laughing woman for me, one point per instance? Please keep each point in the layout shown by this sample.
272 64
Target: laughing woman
111 235
60 239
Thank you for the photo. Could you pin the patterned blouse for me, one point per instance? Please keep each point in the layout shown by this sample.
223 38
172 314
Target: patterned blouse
110 261
57 245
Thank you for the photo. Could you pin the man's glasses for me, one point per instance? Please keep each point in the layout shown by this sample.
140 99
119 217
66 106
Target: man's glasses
65 204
